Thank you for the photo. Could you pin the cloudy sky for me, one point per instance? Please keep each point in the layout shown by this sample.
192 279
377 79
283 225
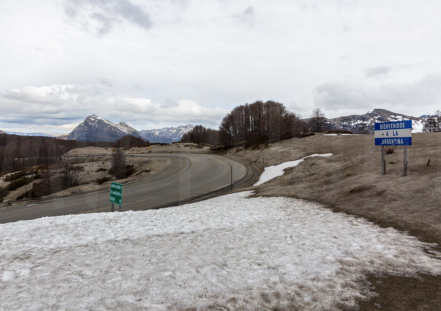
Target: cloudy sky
156 63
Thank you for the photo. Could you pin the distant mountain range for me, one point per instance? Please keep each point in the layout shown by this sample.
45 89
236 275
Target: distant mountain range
365 123
29 134
167 134
95 128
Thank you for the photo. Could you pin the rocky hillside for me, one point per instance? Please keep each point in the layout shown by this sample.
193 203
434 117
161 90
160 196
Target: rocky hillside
167 134
97 129
365 123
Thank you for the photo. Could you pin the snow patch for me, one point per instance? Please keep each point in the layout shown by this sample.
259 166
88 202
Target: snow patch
232 252
274 171
417 126
8 275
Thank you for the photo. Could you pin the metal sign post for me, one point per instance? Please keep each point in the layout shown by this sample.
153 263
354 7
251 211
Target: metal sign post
383 161
116 190
394 134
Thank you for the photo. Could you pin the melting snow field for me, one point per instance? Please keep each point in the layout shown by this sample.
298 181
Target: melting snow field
274 171
227 253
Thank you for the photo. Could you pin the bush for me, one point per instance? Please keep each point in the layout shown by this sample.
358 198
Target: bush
4 192
101 181
256 141
124 173
15 176
129 141
46 187
389 150
220 148
25 195
14 185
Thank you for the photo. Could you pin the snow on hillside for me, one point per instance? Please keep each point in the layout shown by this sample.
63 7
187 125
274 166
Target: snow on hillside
95 128
230 252
274 171
167 134
365 123
417 126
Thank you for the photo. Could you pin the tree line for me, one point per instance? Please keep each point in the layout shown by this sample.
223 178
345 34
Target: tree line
18 152
433 123
263 121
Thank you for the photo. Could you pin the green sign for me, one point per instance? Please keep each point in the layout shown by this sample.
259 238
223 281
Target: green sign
116 193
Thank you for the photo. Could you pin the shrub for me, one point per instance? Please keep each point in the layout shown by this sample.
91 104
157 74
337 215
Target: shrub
220 147
25 195
389 150
256 141
119 160
124 173
4 192
46 187
15 176
14 185
101 181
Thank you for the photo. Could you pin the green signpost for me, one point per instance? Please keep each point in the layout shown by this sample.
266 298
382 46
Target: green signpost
116 190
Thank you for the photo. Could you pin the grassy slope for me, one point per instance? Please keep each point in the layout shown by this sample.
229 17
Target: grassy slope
351 181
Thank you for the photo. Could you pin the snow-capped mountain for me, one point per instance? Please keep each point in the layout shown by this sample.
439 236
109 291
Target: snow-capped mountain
365 123
167 134
95 129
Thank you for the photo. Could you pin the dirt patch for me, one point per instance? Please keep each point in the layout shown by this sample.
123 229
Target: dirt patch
401 293
350 181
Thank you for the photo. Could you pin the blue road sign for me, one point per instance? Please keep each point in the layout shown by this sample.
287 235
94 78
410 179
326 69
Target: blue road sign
397 133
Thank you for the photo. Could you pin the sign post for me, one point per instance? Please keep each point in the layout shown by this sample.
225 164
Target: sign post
116 190
397 133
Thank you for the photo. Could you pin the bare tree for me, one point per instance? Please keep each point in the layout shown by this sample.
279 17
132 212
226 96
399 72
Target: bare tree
68 174
433 123
119 160
430 125
318 120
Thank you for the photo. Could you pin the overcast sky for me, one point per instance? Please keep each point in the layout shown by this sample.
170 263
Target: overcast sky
156 63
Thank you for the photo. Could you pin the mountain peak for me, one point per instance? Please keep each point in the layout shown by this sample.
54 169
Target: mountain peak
95 128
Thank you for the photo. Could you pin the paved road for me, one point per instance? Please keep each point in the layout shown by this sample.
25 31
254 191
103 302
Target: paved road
193 177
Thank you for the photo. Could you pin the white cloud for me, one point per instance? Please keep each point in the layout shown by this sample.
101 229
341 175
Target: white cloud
61 105
100 16
218 54
377 71
407 98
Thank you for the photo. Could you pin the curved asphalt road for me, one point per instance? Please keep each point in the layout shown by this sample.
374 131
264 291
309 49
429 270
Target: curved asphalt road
194 177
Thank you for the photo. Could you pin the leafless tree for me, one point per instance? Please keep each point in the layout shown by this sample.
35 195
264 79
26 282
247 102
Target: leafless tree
265 120
318 120
119 160
69 175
